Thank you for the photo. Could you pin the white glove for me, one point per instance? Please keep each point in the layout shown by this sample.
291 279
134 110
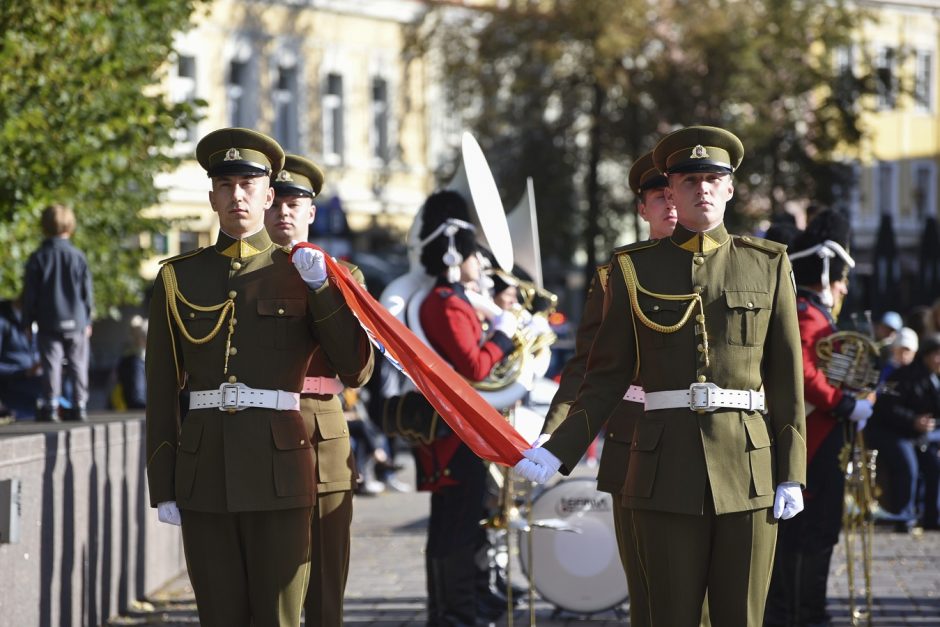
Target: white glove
311 266
861 413
542 439
505 322
169 513
538 465
788 501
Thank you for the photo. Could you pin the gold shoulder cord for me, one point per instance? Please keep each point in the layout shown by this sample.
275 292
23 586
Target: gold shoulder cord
633 285
224 308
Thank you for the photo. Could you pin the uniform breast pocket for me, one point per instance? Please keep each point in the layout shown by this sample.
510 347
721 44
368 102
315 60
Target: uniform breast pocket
663 313
199 324
283 320
748 316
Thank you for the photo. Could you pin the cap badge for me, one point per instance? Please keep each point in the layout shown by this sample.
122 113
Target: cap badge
284 175
699 152
232 155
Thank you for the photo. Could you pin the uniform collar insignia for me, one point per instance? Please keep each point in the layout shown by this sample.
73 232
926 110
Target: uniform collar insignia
284 175
699 152
243 248
232 154
700 242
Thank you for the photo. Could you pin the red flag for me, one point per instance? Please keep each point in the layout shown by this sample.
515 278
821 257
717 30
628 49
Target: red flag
475 421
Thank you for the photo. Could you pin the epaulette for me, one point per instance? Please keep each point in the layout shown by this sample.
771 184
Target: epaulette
181 256
635 246
603 273
760 243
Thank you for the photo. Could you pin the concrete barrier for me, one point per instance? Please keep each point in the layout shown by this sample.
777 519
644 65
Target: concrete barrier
89 543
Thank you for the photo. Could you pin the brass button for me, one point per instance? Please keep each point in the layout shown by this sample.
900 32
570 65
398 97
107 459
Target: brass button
610 435
700 318
236 265
232 294
699 260
698 289
233 351
280 311
702 378
234 321
302 442
232 379
655 307
746 238
447 472
750 305
700 348
192 315
231 411
344 430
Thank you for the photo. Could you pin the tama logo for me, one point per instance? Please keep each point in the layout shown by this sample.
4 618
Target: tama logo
573 504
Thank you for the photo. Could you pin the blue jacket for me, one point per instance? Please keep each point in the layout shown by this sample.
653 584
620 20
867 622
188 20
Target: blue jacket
57 290
16 353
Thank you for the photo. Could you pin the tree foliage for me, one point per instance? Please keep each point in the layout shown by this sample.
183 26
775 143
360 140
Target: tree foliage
570 92
82 121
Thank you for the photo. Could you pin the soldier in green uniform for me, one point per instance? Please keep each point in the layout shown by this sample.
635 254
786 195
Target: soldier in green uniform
288 220
707 322
647 184
237 323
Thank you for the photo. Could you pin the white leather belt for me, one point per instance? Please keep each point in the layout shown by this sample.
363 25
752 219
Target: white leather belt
706 397
238 396
322 385
635 394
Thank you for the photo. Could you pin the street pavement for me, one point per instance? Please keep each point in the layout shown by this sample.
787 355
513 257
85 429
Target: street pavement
386 580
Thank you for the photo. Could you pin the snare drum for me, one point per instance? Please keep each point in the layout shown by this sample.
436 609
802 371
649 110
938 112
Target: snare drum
575 558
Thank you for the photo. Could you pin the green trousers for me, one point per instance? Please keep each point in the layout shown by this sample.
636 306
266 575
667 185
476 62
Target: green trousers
329 560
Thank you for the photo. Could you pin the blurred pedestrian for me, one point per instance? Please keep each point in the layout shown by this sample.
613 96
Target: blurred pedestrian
902 351
20 370
903 431
58 296
130 392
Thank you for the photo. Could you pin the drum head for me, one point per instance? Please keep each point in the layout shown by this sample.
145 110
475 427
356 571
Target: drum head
575 558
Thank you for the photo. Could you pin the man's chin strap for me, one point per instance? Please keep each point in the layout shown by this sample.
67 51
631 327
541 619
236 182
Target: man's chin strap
826 251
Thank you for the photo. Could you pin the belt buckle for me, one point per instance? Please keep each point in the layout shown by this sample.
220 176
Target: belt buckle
702 397
230 396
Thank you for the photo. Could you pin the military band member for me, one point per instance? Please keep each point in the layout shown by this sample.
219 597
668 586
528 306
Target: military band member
797 595
237 323
288 220
447 467
707 322
647 184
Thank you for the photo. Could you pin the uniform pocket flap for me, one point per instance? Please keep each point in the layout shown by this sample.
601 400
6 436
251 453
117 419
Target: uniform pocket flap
331 424
748 300
289 434
757 434
653 305
647 436
281 306
190 436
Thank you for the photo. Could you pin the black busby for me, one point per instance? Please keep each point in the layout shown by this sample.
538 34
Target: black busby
820 253
447 236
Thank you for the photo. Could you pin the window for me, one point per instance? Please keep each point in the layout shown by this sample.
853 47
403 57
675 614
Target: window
846 85
333 143
286 107
183 89
159 244
925 191
923 80
237 90
884 198
189 240
380 119
886 77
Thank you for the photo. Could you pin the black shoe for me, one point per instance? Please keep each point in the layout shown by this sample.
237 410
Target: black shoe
47 413
78 414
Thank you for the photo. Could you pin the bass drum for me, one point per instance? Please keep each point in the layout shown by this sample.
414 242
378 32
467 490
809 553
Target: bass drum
575 559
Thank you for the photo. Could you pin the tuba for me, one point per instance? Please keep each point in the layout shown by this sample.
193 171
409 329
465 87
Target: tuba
851 361
515 375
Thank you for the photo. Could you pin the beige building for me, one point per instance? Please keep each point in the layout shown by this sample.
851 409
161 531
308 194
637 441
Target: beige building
896 167
329 80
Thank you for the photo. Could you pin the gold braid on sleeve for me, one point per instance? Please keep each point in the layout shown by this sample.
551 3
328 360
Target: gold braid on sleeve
225 308
633 286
